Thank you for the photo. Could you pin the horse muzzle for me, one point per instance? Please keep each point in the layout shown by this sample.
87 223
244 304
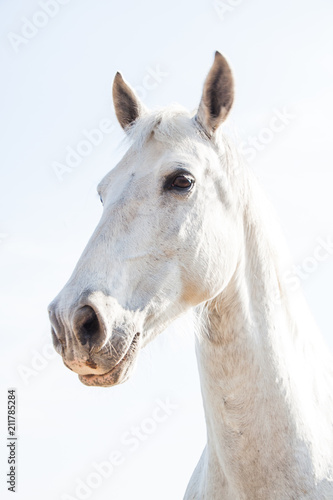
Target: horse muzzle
99 354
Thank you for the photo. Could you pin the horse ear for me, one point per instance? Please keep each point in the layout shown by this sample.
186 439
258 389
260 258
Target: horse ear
217 96
127 105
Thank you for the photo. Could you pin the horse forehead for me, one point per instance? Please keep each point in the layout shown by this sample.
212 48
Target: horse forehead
132 162
153 159
157 158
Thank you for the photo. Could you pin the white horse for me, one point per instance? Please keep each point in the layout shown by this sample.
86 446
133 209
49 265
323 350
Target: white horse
184 225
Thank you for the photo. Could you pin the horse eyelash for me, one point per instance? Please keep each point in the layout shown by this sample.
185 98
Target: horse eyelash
100 197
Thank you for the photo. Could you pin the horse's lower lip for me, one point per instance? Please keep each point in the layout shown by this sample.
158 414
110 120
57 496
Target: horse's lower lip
106 379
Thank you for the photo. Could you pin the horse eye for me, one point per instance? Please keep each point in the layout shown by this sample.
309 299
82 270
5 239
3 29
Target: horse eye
101 199
182 182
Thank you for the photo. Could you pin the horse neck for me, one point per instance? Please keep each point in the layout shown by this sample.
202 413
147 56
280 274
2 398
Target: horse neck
260 397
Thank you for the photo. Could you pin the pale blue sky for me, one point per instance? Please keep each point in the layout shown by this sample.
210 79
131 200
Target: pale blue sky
57 85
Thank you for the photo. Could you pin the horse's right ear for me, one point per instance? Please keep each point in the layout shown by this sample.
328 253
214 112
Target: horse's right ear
217 96
127 105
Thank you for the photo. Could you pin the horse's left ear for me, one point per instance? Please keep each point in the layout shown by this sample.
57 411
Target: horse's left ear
217 96
127 105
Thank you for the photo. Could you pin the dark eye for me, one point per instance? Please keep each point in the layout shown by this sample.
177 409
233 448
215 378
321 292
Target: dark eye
101 199
182 182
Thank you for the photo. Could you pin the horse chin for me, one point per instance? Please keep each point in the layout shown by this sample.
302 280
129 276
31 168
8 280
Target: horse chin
120 372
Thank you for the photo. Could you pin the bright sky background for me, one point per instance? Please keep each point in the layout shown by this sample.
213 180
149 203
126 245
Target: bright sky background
57 84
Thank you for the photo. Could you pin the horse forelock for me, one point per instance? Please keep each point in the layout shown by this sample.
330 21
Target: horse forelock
171 125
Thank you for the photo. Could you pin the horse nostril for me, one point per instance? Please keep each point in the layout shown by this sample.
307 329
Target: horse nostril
57 343
87 327
57 330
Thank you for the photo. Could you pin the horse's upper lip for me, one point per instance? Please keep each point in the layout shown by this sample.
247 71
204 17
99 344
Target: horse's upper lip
98 379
